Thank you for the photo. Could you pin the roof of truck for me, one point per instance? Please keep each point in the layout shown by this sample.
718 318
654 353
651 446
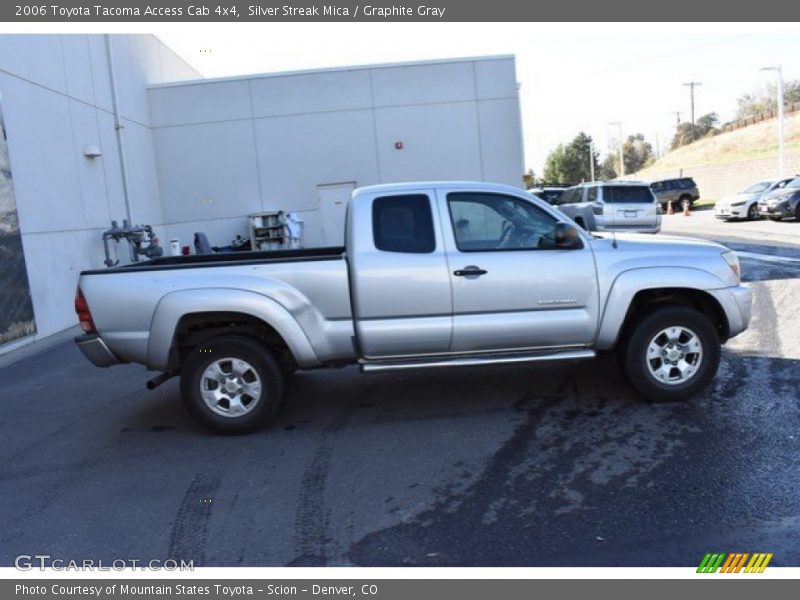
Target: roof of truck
406 186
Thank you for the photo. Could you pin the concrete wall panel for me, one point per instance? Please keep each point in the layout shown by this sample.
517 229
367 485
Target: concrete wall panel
207 171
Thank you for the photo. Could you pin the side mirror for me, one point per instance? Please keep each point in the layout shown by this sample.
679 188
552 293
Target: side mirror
566 236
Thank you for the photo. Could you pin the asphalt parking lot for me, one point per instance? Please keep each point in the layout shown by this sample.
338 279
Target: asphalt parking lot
527 465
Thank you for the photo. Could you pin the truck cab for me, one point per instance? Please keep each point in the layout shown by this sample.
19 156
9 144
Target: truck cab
460 268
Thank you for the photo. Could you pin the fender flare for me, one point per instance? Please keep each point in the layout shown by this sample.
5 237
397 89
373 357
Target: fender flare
174 306
629 283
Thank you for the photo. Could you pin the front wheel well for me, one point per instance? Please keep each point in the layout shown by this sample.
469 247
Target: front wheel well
646 301
196 328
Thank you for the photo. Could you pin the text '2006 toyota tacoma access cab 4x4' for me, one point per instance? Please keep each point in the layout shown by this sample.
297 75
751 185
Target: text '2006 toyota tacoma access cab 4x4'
432 275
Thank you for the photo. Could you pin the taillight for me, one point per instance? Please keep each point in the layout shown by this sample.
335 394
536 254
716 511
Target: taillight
597 209
84 316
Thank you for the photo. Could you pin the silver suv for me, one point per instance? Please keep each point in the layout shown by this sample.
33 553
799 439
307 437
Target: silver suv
612 206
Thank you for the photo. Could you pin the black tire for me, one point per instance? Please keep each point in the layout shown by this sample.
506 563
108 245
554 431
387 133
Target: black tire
638 366
797 212
752 212
263 371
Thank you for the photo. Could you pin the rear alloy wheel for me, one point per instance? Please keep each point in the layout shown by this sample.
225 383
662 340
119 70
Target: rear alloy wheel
752 212
673 353
232 384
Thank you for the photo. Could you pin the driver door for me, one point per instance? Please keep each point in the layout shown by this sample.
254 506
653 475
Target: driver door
512 288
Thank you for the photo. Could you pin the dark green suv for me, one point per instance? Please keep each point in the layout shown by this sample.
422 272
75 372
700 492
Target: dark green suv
678 191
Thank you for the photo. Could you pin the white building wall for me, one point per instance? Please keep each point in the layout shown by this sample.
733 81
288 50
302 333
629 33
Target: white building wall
56 97
203 154
226 148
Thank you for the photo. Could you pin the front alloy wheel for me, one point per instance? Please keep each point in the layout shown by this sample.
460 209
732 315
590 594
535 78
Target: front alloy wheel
672 353
675 355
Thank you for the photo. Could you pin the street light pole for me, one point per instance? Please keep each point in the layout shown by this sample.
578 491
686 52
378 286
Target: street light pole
619 147
781 122
591 157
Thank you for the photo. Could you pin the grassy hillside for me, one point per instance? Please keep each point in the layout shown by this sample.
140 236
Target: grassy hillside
755 141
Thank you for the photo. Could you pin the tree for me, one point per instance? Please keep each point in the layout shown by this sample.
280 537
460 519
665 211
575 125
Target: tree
608 169
765 100
570 163
637 154
689 132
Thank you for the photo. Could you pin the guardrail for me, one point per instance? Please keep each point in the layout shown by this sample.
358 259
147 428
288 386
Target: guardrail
765 116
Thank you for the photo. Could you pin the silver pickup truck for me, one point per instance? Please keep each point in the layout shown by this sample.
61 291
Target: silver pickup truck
433 275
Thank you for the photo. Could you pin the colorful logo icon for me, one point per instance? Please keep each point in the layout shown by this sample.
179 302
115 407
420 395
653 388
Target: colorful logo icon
734 562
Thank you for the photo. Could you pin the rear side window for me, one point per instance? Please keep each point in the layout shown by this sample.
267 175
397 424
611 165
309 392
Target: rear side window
628 194
592 196
569 197
403 224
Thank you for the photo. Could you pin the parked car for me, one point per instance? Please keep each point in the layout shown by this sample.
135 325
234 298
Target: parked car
678 191
612 206
433 275
782 203
744 205
549 194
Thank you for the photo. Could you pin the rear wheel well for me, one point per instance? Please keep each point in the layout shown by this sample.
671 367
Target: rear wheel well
646 301
194 329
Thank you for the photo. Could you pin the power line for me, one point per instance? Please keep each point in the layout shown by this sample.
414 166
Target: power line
666 56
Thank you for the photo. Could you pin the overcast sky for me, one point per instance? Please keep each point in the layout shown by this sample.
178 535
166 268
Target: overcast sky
574 76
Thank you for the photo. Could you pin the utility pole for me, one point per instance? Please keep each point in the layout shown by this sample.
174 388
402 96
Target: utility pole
591 157
692 85
619 148
677 114
781 124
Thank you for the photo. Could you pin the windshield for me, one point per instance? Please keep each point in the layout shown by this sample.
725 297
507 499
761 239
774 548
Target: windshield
757 187
628 194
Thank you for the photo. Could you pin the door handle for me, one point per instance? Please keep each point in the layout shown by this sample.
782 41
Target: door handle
470 271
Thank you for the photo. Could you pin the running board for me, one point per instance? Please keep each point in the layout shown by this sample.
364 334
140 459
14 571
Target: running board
378 366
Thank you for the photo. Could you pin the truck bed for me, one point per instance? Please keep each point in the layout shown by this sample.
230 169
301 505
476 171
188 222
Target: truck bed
227 258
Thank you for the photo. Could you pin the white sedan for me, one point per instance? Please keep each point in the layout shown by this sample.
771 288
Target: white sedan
744 205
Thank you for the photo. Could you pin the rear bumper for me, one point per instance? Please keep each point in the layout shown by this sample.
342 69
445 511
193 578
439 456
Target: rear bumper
630 228
737 302
95 349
